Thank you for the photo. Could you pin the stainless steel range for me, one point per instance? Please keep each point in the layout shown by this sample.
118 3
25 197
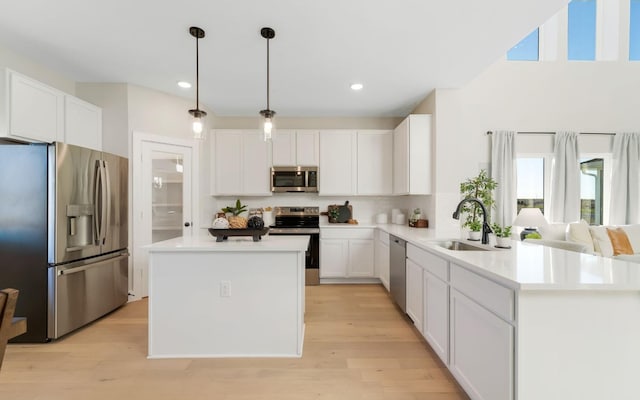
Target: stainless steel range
301 221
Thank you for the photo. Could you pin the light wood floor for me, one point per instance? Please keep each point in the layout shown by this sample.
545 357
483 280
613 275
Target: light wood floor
357 346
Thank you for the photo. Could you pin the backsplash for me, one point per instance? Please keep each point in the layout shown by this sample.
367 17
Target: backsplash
365 209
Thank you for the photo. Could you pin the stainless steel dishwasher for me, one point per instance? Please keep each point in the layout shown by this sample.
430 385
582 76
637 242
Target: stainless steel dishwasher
398 271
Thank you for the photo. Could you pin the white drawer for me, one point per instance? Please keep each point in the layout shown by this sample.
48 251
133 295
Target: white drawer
346 233
489 294
432 263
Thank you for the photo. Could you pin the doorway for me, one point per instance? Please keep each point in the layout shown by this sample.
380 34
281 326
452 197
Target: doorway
162 194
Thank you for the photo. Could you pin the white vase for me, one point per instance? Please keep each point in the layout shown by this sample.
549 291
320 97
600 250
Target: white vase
475 235
504 242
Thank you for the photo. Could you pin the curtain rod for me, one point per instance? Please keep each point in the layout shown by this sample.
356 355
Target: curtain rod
553 133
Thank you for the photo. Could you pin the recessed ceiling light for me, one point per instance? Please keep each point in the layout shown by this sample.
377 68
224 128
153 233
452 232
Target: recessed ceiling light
184 84
356 86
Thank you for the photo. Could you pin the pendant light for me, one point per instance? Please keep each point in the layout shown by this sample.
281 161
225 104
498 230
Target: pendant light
197 113
268 115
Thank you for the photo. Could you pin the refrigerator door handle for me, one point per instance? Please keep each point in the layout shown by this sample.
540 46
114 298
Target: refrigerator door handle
106 201
87 266
96 204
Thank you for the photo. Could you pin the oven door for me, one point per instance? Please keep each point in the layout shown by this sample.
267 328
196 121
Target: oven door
312 255
288 181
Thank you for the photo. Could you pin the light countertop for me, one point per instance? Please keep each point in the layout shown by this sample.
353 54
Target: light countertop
208 243
530 266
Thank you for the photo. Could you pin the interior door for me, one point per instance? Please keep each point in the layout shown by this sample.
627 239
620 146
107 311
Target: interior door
162 202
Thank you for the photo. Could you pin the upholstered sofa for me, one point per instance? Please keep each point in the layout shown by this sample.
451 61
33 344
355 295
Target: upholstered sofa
621 242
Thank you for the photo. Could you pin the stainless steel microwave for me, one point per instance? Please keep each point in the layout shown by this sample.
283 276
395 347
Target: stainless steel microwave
294 179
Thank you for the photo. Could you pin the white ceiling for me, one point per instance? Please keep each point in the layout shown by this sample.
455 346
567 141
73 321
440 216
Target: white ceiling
399 49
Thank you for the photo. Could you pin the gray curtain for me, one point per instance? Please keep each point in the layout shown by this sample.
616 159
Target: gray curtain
503 171
565 178
625 180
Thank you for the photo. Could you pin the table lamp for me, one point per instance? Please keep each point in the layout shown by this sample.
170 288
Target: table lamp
530 219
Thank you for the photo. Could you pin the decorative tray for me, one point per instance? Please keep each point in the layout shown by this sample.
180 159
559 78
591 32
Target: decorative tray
223 234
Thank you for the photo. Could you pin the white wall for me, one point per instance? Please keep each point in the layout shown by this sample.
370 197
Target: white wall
113 99
12 60
529 97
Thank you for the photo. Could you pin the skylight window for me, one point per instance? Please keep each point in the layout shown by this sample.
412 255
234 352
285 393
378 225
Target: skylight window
582 30
634 31
527 49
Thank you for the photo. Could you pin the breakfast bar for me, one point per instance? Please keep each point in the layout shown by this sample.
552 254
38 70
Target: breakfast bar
236 298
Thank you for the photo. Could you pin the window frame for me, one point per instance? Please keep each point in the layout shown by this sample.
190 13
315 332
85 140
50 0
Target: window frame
606 180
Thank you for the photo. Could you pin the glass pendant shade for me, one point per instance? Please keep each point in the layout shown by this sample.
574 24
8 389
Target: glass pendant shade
267 124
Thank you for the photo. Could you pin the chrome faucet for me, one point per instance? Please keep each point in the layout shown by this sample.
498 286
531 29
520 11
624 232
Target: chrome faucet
486 229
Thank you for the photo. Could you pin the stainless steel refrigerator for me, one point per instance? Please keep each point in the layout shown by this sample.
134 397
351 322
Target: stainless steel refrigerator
63 235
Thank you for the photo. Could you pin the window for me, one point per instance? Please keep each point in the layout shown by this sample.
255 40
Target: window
527 49
530 187
634 31
582 30
592 190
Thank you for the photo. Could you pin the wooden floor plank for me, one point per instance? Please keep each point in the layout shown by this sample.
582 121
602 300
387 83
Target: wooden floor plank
358 345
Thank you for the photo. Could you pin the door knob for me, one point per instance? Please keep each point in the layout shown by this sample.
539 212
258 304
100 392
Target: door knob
187 224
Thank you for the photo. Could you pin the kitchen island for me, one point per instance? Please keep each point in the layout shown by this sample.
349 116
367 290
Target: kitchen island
528 323
236 298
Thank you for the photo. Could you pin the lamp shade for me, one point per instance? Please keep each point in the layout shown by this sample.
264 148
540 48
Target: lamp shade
530 217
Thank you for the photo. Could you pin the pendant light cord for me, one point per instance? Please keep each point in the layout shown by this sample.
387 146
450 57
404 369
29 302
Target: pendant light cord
268 40
197 74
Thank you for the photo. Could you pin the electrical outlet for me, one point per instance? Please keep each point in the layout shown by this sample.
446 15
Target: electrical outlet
225 288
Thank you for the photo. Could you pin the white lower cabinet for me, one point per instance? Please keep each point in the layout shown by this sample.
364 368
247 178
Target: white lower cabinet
481 335
436 314
381 259
414 293
346 253
482 350
468 320
361 258
334 257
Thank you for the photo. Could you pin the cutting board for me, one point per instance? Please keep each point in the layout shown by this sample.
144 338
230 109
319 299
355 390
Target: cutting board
344 212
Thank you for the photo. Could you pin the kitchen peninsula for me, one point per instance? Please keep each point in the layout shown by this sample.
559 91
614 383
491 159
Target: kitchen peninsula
528 323
236 298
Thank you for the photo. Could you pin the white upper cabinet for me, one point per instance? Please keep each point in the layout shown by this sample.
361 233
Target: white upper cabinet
375 162
308 148
292 148
241 163
34 111
338 162
412 155
83 123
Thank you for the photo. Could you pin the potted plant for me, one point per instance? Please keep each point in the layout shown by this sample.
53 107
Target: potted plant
235 220
475 229
480 187
503 235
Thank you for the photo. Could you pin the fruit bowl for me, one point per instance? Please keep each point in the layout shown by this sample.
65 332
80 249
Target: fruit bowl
223 234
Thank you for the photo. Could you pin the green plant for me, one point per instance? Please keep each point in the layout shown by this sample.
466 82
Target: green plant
237 210
501 231
334 213
474 226
480 187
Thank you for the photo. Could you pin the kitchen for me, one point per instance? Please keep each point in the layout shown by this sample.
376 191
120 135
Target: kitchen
140 114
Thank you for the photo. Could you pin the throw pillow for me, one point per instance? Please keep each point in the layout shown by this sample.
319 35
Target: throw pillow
619 241
579 232
633 233
601 241
554 231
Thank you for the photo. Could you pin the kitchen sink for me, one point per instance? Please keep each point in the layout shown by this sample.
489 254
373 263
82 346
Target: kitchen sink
459 246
